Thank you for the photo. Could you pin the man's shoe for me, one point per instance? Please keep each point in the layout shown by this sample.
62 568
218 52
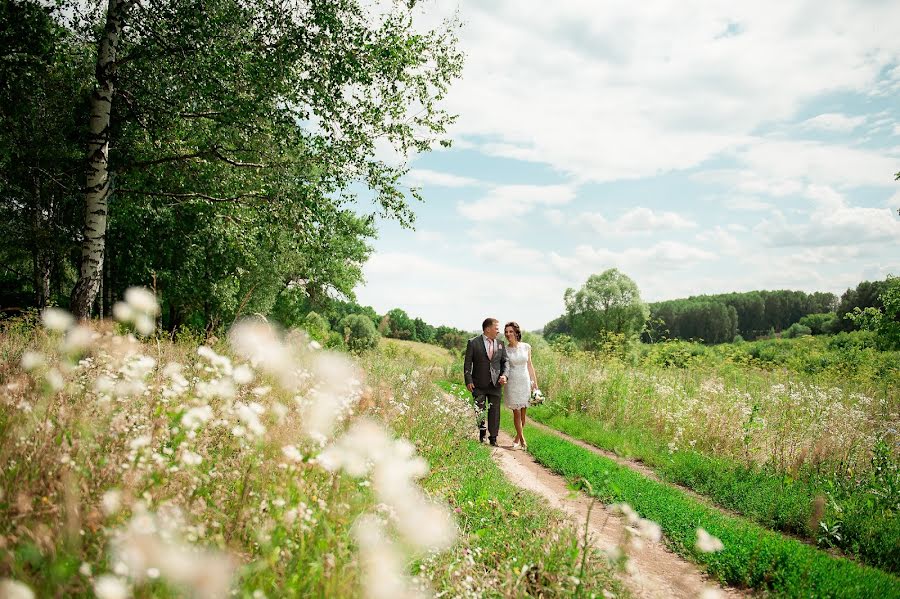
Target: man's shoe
493 443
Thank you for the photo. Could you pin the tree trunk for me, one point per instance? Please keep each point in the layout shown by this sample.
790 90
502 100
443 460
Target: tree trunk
97 189
40 255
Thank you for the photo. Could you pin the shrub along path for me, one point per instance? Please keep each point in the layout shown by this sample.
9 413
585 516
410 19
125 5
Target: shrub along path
653 571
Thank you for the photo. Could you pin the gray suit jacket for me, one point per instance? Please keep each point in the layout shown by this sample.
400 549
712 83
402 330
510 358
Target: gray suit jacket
481 371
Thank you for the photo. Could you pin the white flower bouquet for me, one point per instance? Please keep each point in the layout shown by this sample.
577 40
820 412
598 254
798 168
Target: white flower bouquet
537 397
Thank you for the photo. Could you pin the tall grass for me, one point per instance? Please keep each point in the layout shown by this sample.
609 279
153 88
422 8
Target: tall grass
155 468
805 454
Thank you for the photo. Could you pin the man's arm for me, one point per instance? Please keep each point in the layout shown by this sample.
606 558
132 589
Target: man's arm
467 366
504 364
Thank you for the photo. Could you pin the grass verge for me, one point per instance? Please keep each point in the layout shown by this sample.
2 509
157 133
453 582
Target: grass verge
753 556
776 501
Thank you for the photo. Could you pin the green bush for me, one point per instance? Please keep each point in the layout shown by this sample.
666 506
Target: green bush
359 332
316 326
797 330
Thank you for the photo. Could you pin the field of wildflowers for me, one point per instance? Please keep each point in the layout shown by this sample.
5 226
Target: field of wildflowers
256 465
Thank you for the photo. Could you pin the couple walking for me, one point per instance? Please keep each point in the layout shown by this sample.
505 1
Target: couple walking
489 367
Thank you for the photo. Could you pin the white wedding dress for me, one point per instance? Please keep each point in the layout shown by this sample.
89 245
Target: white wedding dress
517 393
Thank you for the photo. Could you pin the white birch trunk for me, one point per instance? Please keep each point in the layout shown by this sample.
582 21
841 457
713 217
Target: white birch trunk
97 188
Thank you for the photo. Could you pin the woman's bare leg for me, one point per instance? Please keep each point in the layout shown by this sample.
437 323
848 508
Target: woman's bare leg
522 425
517 421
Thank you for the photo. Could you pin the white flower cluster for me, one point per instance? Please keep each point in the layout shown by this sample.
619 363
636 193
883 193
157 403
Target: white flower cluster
637 528
424 525
149 547
139 309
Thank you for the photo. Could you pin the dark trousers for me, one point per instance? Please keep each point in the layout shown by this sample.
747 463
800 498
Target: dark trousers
490 423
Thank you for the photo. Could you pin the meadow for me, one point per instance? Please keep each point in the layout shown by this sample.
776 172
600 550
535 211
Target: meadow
798 435
255 465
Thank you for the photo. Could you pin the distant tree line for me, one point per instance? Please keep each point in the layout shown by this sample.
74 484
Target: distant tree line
342 323
750 315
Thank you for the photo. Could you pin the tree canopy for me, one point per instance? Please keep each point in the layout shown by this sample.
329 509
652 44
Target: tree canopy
608 303
239 134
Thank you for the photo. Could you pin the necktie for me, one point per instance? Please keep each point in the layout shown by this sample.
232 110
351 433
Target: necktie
490 349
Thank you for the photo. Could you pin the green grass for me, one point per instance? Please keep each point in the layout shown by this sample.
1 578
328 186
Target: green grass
776 501
510 534
753 556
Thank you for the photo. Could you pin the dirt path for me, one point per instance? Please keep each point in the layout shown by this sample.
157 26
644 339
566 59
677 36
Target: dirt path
654 571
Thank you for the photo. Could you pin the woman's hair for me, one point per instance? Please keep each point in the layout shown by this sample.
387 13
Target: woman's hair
515 327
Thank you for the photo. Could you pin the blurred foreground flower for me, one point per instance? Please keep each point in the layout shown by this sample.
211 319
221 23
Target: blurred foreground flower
13 589
708 543
140 309
149 546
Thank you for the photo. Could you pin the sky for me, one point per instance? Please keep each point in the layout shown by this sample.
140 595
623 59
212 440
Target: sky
699 147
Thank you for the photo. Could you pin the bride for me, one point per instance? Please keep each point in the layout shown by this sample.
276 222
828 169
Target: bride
521 381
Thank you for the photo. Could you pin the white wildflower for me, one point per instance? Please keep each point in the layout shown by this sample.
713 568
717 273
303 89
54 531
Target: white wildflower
196 416
708 543
242 375
85 570
292 453
55 379
13 589
111 502
56 319
111 587
78 339
32 360
142 300
144 324
123 312
189 458
150 545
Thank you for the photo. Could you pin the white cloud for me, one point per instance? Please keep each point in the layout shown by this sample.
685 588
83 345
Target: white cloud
723 241
508 252
636 220
664 255
896 129
748 204
556 217
515 200
639 89
893 202
845 226
429 178
834 121
461 295
793 162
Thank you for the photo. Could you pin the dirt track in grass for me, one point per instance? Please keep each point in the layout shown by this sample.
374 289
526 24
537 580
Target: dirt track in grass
653 570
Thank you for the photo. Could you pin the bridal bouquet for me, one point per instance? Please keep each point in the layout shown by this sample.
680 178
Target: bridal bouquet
537 397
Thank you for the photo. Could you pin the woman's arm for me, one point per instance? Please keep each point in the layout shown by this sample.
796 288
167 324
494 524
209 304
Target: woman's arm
531 373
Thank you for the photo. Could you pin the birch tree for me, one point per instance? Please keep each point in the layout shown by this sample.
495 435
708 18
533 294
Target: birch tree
260 108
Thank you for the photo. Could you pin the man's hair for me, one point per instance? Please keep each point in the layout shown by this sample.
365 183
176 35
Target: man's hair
515 328
488 322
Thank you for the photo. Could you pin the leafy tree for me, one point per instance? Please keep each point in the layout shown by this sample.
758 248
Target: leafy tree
262 109
557 326
821 324
607 303
400 325
424 331
885 321
866 295
359 333
317 327
43 75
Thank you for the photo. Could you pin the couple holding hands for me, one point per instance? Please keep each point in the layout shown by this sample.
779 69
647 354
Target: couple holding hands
489 367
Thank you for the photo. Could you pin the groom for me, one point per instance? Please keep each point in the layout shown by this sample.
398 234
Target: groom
485 369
